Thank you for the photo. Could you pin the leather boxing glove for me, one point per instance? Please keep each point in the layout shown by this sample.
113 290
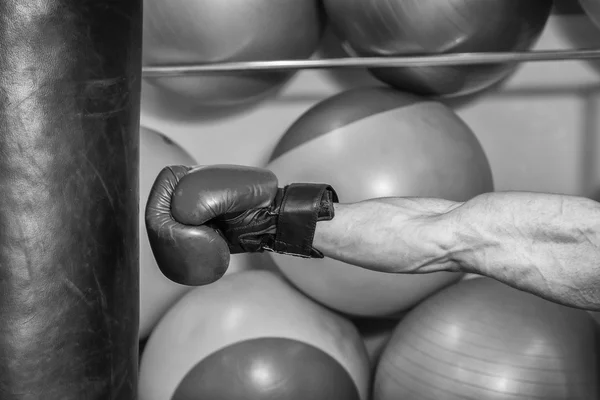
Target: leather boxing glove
197 216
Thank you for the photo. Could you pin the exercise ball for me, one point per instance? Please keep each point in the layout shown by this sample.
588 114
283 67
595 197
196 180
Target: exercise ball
377 142
481 339
157 293
263 368
244 331
210 31
420 27
592 9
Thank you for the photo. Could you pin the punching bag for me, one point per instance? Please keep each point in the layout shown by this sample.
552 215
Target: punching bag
69 117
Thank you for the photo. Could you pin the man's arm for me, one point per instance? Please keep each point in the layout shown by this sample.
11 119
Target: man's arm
545 244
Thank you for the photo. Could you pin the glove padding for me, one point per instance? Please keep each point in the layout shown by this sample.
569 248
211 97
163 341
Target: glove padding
196 217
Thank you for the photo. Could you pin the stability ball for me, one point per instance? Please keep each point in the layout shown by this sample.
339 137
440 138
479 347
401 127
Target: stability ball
481 339
252 336
209 31
255 370
419 27
157 293
377 142
592 9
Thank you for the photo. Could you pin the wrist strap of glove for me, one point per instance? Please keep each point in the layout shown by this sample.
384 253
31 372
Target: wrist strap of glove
302 206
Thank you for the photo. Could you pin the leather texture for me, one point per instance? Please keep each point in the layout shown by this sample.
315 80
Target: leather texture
302 206
70 95
197 217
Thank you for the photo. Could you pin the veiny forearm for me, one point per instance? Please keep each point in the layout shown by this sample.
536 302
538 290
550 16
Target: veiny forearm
546 244
399 235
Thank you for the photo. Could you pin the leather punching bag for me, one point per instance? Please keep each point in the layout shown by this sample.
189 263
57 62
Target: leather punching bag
69 119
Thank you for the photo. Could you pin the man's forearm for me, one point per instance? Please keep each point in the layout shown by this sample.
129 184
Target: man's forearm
545 244
399 235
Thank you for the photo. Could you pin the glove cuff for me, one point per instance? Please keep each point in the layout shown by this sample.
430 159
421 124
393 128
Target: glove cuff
302 206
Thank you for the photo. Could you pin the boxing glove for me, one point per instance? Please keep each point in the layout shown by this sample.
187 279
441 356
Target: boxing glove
197 217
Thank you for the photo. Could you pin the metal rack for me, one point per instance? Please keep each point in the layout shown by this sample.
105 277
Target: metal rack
373 62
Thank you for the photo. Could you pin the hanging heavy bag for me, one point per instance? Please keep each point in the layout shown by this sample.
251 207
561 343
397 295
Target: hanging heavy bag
69 117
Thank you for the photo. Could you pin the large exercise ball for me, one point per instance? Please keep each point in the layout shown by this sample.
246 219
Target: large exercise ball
265 369
252 336
209 31
419 27
481 339
592 9
377 142
157 293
